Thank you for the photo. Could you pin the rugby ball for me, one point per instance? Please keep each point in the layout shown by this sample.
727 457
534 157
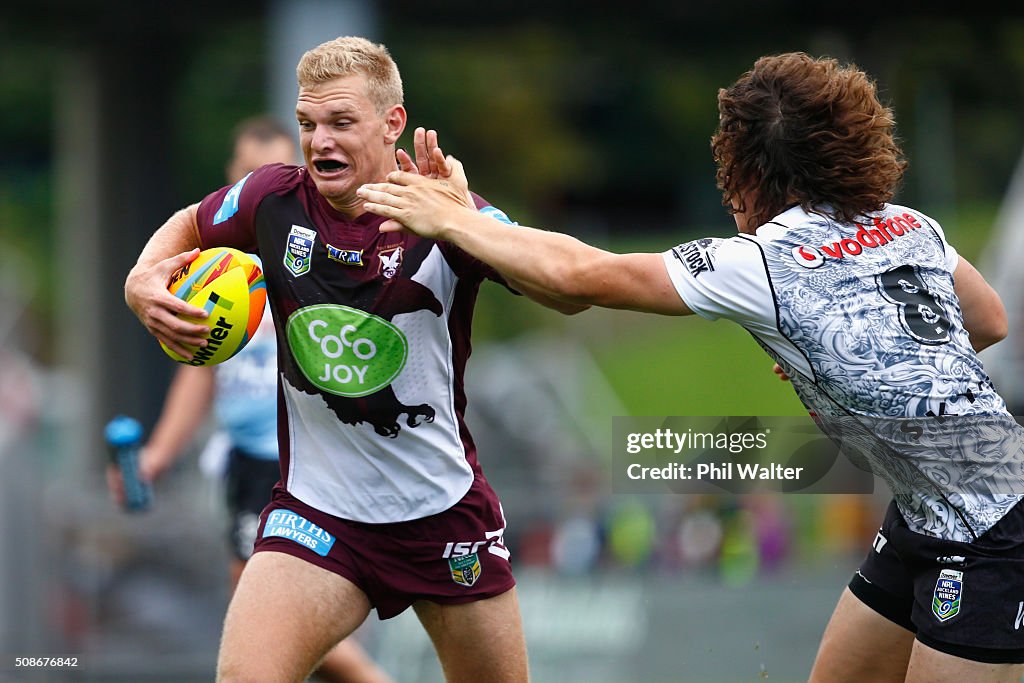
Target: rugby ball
228 284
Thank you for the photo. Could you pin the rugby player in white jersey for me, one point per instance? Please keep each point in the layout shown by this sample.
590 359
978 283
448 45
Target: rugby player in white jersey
874 317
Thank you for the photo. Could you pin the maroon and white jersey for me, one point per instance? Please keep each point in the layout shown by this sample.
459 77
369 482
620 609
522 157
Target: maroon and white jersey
373 337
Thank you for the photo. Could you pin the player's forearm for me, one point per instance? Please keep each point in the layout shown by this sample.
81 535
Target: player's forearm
552 263
180 233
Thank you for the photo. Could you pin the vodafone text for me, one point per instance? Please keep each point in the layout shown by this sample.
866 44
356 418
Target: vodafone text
881 234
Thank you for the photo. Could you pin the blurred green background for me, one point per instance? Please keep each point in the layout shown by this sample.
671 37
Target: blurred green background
594 122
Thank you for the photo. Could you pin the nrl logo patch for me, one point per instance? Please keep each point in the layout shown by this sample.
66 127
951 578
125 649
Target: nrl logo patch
948 592
298 253
465 569
390 262
350 257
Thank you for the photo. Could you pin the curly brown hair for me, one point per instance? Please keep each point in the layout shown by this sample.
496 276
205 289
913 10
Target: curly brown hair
799 130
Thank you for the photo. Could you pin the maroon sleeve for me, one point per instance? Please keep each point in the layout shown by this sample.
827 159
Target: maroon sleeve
227 217
470 267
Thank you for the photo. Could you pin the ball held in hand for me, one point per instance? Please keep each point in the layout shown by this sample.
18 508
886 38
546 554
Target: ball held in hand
228 284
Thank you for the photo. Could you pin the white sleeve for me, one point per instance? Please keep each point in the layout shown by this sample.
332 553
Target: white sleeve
952 258
723 278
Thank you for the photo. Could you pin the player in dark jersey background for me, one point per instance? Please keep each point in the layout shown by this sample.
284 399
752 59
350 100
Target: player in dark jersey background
243 395
382 504
874 317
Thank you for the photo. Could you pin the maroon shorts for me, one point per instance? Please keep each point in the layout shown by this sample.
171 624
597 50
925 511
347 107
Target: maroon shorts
453 557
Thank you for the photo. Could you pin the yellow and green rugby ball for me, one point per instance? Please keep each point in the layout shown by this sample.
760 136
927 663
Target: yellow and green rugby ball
228 284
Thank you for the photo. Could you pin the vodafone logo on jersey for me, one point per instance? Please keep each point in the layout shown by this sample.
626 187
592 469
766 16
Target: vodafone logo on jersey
808 257
881 234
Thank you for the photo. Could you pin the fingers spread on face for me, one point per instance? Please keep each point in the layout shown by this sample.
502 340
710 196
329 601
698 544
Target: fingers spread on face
392 225
372 194
381 195
419 143
431 156
405 161
402 179
440 162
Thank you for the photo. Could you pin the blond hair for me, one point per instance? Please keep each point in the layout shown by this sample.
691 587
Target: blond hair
350 55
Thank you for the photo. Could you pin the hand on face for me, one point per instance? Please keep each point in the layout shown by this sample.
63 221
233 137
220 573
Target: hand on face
417 202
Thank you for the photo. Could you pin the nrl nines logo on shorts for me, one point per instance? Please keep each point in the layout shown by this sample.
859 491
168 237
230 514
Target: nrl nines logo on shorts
464 560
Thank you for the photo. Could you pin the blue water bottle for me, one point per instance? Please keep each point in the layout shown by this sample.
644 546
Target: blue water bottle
124 436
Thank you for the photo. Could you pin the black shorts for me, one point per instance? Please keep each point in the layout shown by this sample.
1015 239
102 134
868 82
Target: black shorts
964 599
248 488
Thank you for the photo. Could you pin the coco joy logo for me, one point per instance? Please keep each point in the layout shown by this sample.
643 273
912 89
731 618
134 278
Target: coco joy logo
345 351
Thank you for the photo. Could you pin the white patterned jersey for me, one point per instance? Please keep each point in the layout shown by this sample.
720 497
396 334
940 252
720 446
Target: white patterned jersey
864 320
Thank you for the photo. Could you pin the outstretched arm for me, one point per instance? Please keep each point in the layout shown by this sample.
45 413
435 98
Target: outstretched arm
554 264
430 162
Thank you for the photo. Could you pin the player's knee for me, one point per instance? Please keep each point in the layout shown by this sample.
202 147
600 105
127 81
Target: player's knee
233 674
234 666
229 672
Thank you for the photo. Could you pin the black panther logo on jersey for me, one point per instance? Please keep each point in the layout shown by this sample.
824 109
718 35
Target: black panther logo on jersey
382 409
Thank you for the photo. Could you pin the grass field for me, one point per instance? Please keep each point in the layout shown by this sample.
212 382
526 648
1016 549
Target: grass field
687 366
657 365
